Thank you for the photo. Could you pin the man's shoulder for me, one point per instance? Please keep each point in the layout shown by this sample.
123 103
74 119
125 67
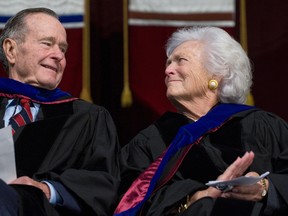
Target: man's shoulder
83 105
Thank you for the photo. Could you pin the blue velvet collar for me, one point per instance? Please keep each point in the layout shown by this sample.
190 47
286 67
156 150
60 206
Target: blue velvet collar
11 88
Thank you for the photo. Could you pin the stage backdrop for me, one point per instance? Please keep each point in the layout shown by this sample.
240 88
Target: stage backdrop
71 15
140 63
267 30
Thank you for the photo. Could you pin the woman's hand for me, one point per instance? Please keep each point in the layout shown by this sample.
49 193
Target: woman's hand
236 169
245 192
249 192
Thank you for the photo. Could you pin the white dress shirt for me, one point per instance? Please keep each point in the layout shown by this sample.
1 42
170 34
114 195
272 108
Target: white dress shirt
13 110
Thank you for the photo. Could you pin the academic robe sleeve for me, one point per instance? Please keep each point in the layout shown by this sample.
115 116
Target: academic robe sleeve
138 154
270 143
84 159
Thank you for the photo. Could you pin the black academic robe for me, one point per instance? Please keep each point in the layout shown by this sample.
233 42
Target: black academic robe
262 132
74 144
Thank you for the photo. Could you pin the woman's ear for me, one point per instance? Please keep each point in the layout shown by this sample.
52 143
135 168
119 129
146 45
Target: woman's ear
9 47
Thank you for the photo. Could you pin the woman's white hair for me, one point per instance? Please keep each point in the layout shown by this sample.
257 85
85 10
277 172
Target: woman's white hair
223 57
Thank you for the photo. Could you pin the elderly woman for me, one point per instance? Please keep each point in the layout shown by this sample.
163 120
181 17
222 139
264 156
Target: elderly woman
212 136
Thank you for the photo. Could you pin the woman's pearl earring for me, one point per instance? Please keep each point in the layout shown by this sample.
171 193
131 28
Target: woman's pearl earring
213 84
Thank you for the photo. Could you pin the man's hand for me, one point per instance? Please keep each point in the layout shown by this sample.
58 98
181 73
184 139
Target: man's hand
25 180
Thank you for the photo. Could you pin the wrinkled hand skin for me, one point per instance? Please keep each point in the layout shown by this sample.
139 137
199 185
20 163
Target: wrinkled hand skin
25 180
244 192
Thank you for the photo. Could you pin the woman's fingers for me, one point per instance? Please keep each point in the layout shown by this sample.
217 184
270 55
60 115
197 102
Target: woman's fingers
238 167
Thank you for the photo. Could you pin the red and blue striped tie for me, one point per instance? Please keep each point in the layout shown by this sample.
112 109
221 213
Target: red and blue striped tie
23 117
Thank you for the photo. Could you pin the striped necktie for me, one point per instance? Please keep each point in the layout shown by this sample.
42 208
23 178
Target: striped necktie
23 117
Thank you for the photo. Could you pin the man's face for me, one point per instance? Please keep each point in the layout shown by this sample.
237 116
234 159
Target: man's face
40 59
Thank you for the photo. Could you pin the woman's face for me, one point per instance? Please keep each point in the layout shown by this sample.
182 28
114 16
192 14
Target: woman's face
186 78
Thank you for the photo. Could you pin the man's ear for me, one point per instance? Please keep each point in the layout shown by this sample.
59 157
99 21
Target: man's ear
9 47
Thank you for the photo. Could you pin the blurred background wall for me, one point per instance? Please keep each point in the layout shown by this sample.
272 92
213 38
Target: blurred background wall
99 31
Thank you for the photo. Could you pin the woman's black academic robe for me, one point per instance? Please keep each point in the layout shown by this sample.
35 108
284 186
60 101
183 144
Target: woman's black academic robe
261 132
